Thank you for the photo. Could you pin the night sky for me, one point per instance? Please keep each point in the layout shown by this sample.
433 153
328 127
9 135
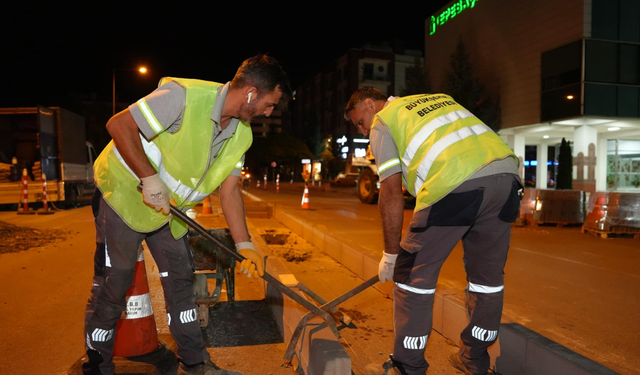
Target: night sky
49 50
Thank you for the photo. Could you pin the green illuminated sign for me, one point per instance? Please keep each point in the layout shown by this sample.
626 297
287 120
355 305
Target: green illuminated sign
449 13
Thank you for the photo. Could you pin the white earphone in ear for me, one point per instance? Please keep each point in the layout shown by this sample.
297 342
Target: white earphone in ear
249 98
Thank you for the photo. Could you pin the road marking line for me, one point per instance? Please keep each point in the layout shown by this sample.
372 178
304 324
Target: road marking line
575 261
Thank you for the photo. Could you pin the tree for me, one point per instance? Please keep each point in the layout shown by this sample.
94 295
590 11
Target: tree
281 147
565 166
466 89
313 136
417 81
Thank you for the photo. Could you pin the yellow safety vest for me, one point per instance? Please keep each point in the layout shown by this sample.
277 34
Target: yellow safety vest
440 144
181 159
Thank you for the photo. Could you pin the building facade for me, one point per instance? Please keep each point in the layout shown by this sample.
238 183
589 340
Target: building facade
262 125
320 101
562 69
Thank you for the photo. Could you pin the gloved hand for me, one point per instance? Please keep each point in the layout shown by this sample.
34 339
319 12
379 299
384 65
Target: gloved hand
386 266
155 193
252 265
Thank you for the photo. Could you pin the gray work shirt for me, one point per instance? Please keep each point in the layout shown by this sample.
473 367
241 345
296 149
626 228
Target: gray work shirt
384 150
166 104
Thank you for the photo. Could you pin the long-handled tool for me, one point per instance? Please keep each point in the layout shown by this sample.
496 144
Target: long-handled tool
322 311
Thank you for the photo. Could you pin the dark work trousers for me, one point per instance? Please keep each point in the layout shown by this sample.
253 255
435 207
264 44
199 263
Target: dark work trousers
479 212
114 263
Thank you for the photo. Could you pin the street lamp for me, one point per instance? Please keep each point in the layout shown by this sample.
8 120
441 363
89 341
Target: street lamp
141 70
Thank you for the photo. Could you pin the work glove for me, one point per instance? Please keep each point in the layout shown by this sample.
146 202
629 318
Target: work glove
386 266
155 193
252 265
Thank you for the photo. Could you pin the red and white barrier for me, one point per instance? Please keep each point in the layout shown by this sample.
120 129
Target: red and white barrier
45 207
25 195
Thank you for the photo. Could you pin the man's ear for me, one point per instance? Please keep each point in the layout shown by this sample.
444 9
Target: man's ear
250 89
369 104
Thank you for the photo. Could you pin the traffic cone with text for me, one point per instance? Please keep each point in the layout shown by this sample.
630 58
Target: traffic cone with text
136 332
136 335
305 197
206 206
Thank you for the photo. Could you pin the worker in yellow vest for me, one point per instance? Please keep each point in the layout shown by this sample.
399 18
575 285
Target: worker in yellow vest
466 183
181 142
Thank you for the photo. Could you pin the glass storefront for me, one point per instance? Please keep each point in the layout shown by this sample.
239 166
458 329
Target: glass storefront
623 165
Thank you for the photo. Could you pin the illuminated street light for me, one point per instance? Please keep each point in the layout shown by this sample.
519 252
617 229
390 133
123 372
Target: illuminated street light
570 97
141 70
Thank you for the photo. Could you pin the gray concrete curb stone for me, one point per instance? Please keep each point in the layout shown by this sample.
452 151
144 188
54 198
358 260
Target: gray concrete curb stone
318 351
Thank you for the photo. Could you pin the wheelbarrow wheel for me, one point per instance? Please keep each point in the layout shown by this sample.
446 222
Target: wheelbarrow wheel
201 290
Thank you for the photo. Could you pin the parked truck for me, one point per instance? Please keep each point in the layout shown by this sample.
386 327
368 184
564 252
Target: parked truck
49 141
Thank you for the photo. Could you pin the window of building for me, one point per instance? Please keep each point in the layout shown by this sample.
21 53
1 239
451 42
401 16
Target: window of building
561 66
629 21
601 60
623 165
604 22
628 101
367 71
612 79
616 20
561 77
629 64
600 100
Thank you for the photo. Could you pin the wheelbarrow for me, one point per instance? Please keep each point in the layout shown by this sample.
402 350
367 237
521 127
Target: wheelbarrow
211 262
325 311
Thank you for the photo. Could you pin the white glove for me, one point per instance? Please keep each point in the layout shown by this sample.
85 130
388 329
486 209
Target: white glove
252 265
155 193
386 266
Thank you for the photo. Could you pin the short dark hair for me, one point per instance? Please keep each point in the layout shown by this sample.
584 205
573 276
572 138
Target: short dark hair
359 96
265 73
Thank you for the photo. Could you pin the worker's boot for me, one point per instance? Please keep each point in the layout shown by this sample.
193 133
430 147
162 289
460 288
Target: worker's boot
208 368
164 359
456 362
390 367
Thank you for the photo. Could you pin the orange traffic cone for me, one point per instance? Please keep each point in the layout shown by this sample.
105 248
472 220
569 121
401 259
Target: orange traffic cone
305 198
206 206
136 332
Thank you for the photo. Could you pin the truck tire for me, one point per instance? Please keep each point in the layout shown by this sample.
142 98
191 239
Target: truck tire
71 197
367 187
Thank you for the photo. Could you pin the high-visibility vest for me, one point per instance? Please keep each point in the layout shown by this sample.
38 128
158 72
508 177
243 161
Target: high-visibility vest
181 159
440 144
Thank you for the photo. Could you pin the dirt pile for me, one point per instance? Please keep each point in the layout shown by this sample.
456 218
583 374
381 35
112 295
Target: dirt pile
286 244
14 239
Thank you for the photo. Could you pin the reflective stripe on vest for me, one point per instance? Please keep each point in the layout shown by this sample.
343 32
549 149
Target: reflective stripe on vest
154 154
440 146
151 118
384 166
428 129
